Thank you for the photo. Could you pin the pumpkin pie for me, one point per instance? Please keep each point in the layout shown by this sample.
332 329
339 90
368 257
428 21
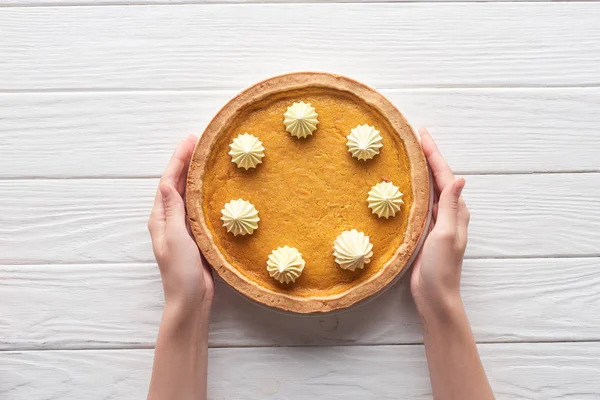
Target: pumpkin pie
308 192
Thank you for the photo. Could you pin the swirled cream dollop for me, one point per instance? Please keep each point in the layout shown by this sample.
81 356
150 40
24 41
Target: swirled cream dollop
385 199
240 217
364 142
352 250
300 119
247 151
285 264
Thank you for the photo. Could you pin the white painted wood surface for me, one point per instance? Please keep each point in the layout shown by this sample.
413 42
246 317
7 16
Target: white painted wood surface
104 220
94 98
218 46
29 3
92 307
129 134
518 371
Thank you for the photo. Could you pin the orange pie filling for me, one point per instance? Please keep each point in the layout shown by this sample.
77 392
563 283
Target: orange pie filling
307 190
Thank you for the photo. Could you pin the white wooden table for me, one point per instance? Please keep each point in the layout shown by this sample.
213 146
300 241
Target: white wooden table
95 94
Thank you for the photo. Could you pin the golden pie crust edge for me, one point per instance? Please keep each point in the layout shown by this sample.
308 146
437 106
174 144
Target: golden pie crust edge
416 220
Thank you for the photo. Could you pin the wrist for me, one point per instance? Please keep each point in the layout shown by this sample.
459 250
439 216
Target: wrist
182 316
188 303
442 309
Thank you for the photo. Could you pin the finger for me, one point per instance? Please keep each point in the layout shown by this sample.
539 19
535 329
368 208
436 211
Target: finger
174 208
434 206
464 216
416 265
156 221
206 265
463 212
207 272
174 174
442 173
176 170
188 227
190 144
448 207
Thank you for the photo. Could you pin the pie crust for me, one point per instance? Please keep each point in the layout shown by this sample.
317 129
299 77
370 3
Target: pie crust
282 299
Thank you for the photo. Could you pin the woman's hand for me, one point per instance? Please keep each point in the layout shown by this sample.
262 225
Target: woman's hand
181 354
455 368
435 280
186 276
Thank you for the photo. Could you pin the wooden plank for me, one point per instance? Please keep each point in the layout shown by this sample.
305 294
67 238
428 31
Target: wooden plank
119 306
534 215
34 3
104 220
222 46
516 372
132 134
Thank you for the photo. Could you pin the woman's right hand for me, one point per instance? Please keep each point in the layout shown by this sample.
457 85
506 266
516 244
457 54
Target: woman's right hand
435 279
186 276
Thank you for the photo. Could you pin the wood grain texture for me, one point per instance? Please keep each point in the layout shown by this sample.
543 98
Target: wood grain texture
195 46
105 91
133 134
35 3
119 306
104 220
555 371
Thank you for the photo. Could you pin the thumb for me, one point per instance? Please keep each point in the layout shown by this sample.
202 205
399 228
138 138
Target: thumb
173 205
448 206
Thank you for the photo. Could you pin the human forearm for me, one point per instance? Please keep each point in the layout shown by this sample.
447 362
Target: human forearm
454 364
180 358
181 355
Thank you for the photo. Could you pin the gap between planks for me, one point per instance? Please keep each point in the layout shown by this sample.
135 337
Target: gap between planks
58 323
153 177
260 2
498 44
237 87
237 346
467 257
